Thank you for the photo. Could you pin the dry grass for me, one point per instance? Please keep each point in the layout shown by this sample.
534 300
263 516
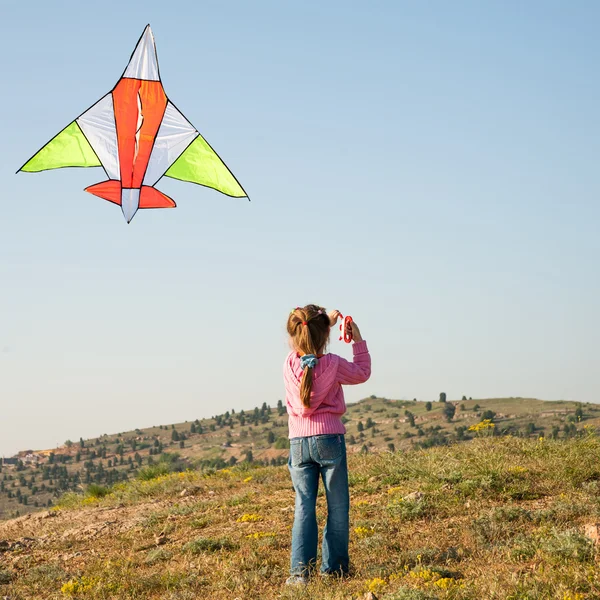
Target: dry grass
499 518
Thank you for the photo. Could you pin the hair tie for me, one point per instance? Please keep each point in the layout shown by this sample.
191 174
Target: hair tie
304 323
309 361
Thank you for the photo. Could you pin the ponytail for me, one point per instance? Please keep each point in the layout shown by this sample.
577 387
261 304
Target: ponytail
306 387
308 328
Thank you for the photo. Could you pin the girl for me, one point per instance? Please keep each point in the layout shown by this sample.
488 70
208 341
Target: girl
315 405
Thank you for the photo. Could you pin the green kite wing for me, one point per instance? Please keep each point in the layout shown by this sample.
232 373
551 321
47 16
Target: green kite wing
200 164
69 148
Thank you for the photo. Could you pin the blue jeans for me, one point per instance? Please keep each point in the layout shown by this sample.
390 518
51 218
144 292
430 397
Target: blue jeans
311 457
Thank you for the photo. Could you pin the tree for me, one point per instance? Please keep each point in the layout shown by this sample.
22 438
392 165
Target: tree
370 423
449 411
579 413
360 426
428 406
443 397
68 443
249 456
193 428
391 447
270 437
488 414
476 407
174 435
410 417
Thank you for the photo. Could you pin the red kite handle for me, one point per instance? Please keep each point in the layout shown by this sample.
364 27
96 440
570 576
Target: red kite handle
346 329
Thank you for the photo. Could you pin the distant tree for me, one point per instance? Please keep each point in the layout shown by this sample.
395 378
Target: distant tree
279 403
428 406
449 411
78 456
364 449
137 458
443 397
555 432
351 440
360 426
193 428
410 417
81 443
488 414
232 460
462 407
464 398
370 423
270 437
391 447
174 435
530 428
181 444
249 456
68 443
579 413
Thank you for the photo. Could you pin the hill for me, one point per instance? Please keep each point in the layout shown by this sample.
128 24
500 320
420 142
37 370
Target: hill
36 480
495 518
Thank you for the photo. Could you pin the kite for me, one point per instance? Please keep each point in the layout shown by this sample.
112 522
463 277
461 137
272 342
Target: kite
137 135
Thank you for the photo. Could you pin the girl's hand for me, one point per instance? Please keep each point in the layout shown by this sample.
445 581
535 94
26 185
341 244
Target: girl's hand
356 337
334 315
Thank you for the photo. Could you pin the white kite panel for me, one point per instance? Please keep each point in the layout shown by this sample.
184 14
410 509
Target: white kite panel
144 62
175 134
130 202
98 126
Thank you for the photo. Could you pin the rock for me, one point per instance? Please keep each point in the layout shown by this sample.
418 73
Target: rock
161 538
183 493
373 479
211 493
46 514
369 596
413 496
592 531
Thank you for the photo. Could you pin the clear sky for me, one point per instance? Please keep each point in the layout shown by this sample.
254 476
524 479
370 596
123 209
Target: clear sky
431 168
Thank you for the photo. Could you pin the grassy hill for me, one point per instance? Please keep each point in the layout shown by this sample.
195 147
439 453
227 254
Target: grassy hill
495 518
38 479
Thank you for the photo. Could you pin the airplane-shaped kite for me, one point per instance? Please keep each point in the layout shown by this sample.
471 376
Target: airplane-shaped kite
137 135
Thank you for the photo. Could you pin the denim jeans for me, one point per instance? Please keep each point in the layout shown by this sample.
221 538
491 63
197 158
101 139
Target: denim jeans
310 458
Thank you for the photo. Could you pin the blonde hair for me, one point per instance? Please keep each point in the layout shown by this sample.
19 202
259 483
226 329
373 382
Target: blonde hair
308 329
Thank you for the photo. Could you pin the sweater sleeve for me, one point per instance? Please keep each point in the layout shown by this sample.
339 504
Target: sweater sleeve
357 371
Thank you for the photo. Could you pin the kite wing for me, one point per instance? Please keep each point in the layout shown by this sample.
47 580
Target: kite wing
69 148
137 136
200 164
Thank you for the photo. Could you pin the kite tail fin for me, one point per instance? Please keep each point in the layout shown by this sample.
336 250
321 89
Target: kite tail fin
109 190
151 198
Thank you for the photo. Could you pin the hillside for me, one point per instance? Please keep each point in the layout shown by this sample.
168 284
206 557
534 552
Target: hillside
37 479
495 518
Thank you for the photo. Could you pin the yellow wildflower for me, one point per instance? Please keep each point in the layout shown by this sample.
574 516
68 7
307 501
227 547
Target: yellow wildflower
394 490
248 518
376 584
363 532
248 479
482 426
261 534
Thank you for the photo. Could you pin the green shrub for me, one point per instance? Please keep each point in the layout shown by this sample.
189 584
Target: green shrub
153 471
200 545
97 491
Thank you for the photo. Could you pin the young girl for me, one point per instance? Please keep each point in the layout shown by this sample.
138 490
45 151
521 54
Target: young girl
315 405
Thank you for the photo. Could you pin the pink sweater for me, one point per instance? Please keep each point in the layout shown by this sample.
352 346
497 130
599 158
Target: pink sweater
327 398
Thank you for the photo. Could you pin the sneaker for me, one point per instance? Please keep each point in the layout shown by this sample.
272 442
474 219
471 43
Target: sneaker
296 580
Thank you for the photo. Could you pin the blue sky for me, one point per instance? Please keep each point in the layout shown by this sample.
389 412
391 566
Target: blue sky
429 167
